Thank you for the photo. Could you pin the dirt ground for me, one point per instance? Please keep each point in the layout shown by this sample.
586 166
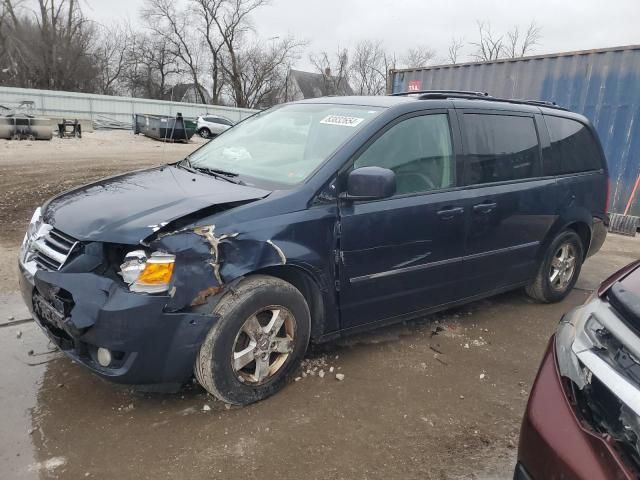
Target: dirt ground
412 404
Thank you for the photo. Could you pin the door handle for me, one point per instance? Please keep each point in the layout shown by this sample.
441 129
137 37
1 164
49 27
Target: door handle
449 213
485 207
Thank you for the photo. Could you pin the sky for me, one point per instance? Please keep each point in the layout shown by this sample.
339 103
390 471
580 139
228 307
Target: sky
328 25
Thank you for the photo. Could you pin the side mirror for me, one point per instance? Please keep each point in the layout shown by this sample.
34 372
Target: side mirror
370 183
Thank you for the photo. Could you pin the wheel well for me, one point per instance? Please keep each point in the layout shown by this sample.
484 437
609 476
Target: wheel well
309 289
584 232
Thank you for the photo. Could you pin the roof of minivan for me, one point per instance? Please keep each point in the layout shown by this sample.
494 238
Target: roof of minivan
387 101
384 101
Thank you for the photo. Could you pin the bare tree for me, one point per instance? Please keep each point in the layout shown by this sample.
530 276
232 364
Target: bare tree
173 25
334 70
369 68
112 54
489 46
150 64
264 71
209 10
453 52
492 47
46 44
517 45
233 23
418 57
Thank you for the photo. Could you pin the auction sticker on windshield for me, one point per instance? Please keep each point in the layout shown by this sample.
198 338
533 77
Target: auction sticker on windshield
342 120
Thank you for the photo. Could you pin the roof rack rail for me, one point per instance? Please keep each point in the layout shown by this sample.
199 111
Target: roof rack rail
472 95
441 93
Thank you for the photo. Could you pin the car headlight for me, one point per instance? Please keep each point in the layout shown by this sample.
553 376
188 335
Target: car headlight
147 274
32 230
577 332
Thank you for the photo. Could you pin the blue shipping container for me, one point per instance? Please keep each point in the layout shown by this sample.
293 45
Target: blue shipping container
603 85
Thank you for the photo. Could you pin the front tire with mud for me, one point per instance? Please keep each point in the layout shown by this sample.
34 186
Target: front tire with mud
259 340
559 270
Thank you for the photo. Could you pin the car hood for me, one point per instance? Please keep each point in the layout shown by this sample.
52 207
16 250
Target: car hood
128 208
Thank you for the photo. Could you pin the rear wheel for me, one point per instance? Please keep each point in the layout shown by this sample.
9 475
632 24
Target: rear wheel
262 335
204 132
559 270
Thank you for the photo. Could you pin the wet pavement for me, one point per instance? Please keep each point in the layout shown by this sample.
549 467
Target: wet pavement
412 404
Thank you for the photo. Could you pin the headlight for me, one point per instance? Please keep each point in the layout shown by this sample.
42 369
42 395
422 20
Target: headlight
32 230
147 274
577 332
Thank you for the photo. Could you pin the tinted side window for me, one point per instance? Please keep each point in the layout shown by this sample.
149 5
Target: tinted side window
221 121
573 148
418 150
500 148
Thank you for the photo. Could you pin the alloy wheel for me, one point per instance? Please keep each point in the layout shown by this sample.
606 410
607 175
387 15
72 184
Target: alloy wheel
563 266
263 345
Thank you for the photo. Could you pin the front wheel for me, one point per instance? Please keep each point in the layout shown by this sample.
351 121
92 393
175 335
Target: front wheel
559 270
260 338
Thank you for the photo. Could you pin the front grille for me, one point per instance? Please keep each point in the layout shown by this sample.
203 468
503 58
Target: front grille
51 250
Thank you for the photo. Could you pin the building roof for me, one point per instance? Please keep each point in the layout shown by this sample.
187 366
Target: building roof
313 85
178 92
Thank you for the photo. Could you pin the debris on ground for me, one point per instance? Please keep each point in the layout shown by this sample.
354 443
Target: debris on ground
436 330
206 408
437 357
340 376
319 366
19 334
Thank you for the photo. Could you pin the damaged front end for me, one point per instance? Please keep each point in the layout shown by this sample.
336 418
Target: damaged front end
598 356
137 314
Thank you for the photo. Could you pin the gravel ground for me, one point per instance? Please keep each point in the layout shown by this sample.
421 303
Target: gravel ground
411 404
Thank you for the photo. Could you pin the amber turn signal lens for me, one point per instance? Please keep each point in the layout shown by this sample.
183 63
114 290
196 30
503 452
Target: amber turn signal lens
156 274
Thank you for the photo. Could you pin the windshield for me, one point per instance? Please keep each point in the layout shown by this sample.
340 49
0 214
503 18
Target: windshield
283 146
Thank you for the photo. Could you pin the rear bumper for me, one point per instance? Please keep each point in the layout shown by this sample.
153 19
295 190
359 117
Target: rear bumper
150 346
599 229
553 442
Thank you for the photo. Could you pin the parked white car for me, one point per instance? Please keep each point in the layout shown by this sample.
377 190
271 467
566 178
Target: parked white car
211 125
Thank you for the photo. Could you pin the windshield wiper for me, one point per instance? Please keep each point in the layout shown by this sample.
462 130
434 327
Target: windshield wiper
214 172
220 174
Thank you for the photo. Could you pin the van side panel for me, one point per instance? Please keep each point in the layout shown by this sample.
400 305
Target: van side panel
576 158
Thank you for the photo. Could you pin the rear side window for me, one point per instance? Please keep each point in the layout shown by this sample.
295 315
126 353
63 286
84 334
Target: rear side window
221 121
500 148
573 148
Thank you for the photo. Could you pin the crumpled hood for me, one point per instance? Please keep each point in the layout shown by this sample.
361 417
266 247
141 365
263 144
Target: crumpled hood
128 208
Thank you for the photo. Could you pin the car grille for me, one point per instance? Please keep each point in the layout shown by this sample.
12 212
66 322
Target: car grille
52 250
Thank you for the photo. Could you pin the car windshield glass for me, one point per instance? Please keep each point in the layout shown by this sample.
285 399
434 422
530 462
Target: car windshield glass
283 146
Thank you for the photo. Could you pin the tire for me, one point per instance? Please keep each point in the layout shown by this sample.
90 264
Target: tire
204 132
218 366
543 288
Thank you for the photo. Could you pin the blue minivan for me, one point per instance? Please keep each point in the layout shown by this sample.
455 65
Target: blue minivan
309 221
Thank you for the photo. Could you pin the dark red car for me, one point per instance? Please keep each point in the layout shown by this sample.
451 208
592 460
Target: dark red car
583 416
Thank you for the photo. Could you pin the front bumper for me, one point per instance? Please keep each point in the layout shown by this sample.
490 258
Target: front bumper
554 443
150 346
